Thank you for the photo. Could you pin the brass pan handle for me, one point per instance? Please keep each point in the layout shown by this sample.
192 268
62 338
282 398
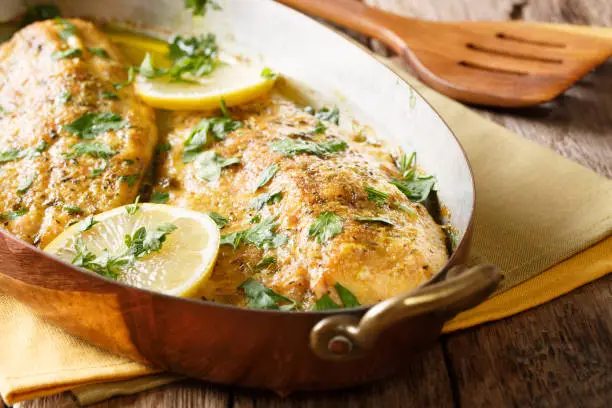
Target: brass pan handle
346 337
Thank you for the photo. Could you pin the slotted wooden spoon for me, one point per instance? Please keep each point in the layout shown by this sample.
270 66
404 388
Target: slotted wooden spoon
508 64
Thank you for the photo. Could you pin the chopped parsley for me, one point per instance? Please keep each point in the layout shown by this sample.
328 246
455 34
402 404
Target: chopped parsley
97 171
25 184
406 164
13 215
164 147
63 98
375 219
93 149
160 197
10 155
73 209
132 209
414 186
261 297
90 125
200 7
138 245
319 128
266 198
346 296
265 262
67 29
267 73
407 209
198 139
325 114
209 165
69 53
192 56
266 175
130 79
109 96
100 52
377 196
261 235
255 219
220 220
147 69
39 12
130 179
326 226
87 224
291 147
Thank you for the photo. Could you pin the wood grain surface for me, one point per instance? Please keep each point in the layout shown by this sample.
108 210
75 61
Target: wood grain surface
557 355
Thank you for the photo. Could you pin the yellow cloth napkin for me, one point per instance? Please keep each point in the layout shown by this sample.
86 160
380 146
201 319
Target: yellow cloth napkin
534 210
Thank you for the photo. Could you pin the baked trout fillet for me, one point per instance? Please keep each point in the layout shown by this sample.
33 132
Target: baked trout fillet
75 140
301 205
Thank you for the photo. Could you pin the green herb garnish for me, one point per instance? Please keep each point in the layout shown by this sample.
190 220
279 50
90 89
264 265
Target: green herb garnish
377 196
63 98
98 171
266 175
220 220
267 73
11 155
25 184
90 125
109 96
130 79
100 52
326 226
193 56
346 296
209 165
147 69
132 209
13 215
160 197
93 149
130 179
69 53
67 29
73 209
326 114
200 7
261 235
164 147
198 139
266 198
265 262
87 223
255 219
374 219
261 297
319 128
417 188
291 147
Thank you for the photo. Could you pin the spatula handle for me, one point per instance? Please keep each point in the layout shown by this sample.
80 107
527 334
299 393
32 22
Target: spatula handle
355 15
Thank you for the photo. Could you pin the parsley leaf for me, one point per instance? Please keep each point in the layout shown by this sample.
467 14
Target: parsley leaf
326 114
195 56
267 73
67 29
73 209
87 224
109 96
319 128
374 219
406 165
407 209
93 149
10 155
130 79
130 179
39 12
261 297
69 53
220 220
291 147
63 98
164 147
90 125
209 165
377 196
13 215
266 198
99 170
265 262
25 184
100 52
160 197
255 219
348 299
261 235
199 7
326 226
416 188
266 175
132 209
198 138
147 69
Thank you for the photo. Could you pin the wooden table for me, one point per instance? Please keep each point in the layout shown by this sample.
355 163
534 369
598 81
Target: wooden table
558 355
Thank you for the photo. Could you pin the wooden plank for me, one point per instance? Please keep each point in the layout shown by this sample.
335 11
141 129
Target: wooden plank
425 384
558 355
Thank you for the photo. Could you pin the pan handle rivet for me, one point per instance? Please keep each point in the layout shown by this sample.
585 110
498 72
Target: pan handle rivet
340 345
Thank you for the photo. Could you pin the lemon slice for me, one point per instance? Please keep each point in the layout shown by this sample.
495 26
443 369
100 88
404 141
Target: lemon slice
235 83
183 263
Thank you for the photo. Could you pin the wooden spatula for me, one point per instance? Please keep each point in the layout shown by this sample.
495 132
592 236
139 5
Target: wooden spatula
487 63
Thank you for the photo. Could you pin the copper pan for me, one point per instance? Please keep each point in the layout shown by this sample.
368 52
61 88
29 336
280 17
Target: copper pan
260 348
